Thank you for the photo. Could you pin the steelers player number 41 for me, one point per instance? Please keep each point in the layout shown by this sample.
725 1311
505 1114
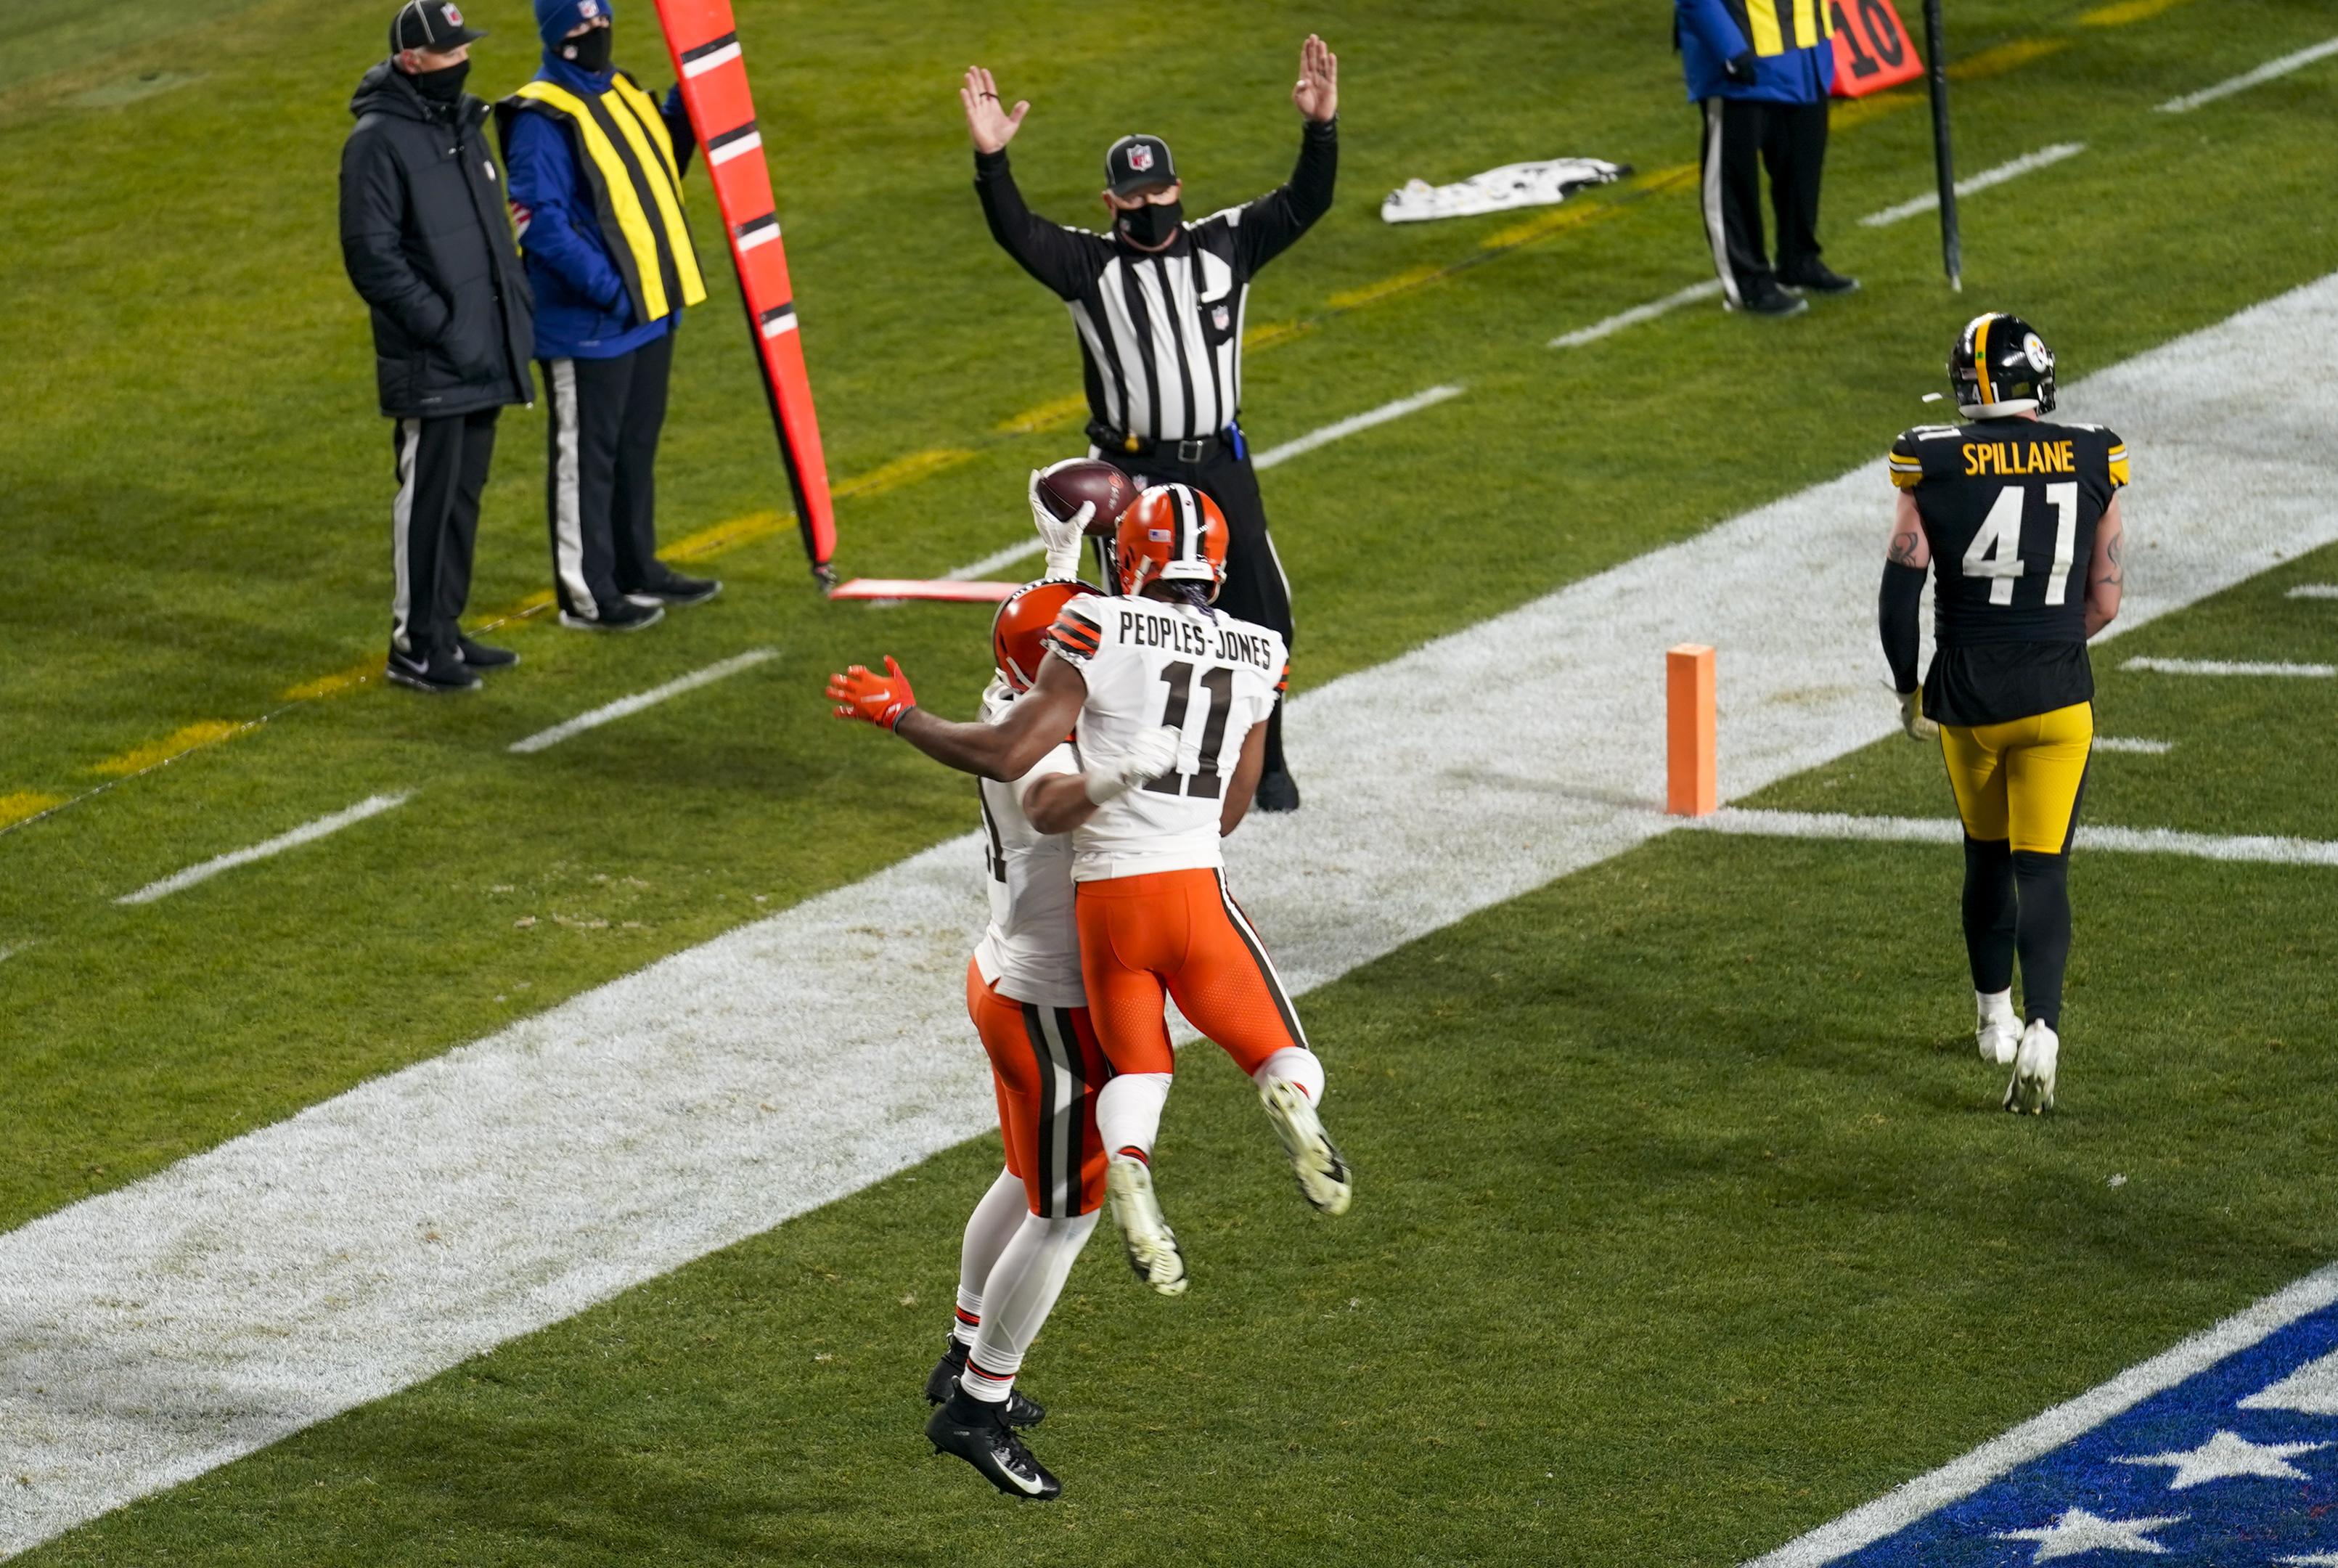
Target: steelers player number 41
1872 50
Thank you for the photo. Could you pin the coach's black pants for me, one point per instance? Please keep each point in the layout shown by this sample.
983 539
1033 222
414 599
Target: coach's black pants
1255 588
442 466
601 481
1743 137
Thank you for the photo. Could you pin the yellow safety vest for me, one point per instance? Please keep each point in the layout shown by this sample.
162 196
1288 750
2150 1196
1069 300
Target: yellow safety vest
637 189
1775 26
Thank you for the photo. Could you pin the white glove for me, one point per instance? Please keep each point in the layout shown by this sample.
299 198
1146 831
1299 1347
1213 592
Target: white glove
1912 719
1154 754
1062 535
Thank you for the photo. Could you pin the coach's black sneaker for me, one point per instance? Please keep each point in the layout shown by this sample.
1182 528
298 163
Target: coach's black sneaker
942 1382
480 656
673 589
439 672
1815 277
979 1434
1773 302
616 615
1276 792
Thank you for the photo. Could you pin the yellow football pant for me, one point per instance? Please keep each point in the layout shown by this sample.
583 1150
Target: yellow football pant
2020 779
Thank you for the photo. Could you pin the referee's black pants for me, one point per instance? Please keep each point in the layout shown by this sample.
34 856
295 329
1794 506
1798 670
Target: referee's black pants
1743 137
601 482
442 467
1255 588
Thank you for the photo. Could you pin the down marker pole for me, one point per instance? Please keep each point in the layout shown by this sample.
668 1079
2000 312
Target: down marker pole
1944 162
1692 733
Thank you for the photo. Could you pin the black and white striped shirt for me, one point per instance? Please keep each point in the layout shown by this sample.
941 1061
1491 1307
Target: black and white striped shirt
1161 333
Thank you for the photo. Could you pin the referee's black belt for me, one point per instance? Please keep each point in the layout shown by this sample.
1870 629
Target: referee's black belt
1200 449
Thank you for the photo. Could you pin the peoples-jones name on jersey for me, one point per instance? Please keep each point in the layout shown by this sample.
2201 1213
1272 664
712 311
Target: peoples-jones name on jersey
1139 629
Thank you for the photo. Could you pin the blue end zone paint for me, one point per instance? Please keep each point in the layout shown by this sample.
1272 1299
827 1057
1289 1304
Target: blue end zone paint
2229 1519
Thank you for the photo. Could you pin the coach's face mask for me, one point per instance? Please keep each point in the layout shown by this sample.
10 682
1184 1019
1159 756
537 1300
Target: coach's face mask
1152 223
444 85
590 51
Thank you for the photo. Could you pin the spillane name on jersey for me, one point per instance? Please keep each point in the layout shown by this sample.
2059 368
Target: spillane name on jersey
1150 662
2010 508
1031 952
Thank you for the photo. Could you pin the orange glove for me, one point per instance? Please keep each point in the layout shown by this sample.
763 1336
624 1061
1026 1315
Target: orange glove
879 699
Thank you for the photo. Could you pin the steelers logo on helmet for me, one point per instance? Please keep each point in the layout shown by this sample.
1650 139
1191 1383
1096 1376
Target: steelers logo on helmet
1017 630
1999 368
1171 533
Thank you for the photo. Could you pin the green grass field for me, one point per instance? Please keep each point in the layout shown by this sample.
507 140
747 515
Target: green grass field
1690 1221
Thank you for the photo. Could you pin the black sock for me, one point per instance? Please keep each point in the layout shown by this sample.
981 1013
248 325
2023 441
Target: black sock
2044 931
1989 913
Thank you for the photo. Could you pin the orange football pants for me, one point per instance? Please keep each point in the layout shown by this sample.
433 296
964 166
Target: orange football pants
1179 931
1045 1065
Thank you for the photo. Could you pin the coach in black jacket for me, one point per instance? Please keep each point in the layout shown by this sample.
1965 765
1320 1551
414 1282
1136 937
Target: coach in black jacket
1158 303
427 240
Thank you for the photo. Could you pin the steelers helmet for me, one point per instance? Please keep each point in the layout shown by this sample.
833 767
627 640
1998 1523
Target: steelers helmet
1023 619
1171 533
2000 366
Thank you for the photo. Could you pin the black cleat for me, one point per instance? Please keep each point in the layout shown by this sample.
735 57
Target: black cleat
976 1434
616 615
436 673
942 1382
480 656
1276 792
673 589
1774 301
1815 277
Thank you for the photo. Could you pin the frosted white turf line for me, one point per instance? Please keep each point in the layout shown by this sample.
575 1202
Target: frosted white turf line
307 833
2091 836
997 561
2265 72
1708 289
2132 744
2029 162
624 706
2041 1434
1350 426
2230 668
377 1238
2314 591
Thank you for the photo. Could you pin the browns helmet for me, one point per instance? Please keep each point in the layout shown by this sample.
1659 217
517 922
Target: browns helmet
1023 616
1171 533
2000 367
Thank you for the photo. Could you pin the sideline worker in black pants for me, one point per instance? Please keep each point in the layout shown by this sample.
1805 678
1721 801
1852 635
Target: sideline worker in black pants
1158 305
426 243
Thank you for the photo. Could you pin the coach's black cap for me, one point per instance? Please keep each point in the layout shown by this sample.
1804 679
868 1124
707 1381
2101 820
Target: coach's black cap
436 25
1138 164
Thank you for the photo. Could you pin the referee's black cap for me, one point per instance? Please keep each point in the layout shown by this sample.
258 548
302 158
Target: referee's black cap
436 25
1138 164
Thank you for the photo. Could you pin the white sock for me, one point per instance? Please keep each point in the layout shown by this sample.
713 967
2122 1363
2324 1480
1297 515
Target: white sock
1995 1006
1024 1284
988 1232
1294 1064
1128 1112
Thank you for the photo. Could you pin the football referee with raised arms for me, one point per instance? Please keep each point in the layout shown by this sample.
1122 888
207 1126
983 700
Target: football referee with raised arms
1158 304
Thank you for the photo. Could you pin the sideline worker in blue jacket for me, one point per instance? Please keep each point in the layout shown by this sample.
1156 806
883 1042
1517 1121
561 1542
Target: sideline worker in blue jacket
1761 71
596 192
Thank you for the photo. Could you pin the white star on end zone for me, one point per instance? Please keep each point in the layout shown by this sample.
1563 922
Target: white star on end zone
2229 1454
2079 1531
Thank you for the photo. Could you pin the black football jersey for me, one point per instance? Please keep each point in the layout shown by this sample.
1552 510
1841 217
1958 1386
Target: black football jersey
2010 508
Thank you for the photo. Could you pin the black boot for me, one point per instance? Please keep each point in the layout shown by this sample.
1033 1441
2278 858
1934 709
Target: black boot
977 1433
942 1382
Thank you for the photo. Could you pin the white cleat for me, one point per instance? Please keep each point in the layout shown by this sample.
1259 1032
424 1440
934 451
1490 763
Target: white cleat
2032 1089
1152 1244
2000 1040
1314 1160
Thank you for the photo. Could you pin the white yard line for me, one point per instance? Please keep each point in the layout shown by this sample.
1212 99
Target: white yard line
2029 162
2265 72
996 561
2040 1435
1708 289
375 1239
2230 668
307 833
1946 830
2314 591
1349 427
2131 743
624 706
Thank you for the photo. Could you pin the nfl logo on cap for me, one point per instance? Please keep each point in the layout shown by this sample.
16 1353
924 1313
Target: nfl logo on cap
1140 156
454 17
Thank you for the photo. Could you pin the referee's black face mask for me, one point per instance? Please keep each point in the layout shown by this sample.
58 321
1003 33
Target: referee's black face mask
1149 225
589 50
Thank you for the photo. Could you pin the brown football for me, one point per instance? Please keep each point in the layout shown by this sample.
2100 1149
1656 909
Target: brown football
1073 484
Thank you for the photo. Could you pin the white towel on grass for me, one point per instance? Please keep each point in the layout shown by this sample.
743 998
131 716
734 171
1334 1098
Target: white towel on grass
1499 190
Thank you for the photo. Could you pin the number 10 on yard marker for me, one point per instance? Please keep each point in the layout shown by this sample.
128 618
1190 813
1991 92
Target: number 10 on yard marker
1692 733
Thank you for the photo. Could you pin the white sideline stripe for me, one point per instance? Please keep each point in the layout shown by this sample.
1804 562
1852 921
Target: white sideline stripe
2314 591
1947 829
1349 427
2229 667
2265 72
2132 744
307 833
2027 163
2041 1434
1709 289
377 1238
623 706
998 560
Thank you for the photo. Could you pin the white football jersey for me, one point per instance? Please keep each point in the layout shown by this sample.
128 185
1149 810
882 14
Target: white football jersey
1151 663
1032 951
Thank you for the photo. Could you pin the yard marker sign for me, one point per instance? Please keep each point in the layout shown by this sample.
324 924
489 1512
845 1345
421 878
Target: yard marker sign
703 41
1871 48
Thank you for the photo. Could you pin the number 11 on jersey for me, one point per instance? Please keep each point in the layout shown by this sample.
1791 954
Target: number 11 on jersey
1218 685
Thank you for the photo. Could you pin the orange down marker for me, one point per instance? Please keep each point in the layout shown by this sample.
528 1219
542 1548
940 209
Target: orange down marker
1692 732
